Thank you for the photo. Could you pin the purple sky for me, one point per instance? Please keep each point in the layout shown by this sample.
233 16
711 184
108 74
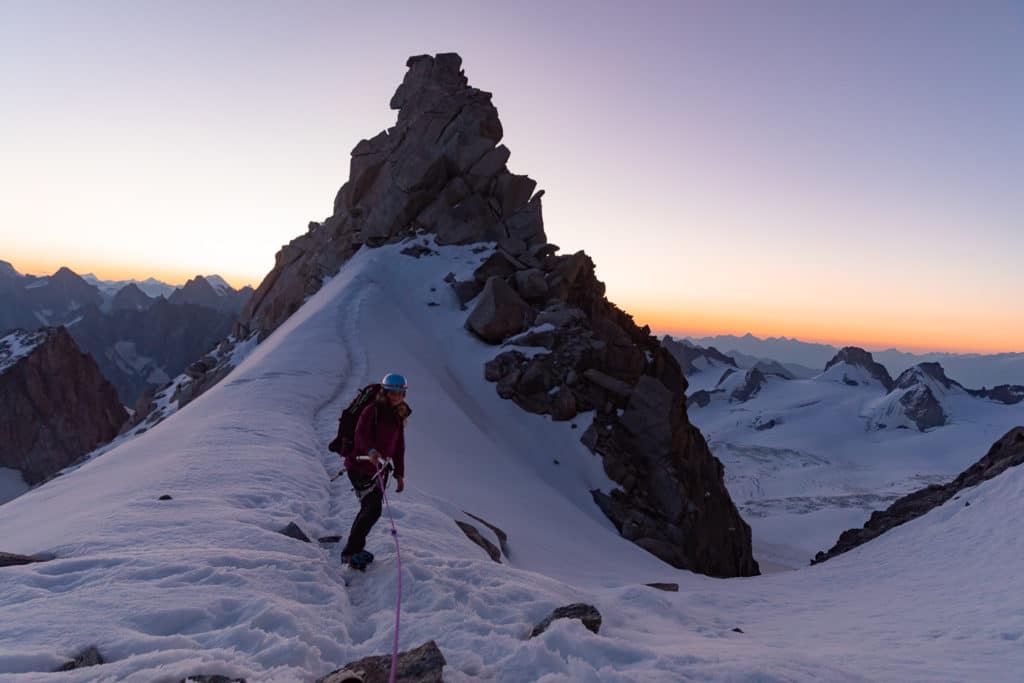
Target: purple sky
845 172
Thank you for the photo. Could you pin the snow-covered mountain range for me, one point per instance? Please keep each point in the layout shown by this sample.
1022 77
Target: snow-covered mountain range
973 369
139 340
808 458
166 550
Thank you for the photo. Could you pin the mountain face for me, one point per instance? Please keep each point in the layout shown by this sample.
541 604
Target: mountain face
918 399
1005 453
55 403
131 298
140 349
200 292
440 170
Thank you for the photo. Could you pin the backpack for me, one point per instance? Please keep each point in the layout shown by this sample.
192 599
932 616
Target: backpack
345 439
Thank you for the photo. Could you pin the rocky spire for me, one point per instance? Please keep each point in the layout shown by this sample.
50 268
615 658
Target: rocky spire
439 169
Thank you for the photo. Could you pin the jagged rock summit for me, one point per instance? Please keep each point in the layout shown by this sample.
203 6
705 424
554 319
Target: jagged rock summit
440 170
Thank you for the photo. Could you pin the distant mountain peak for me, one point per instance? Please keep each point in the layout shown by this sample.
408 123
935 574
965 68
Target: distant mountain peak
219 284
7 270
66 275
920 373
858 357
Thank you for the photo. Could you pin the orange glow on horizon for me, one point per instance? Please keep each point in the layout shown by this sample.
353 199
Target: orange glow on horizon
676 319
116 272
821 330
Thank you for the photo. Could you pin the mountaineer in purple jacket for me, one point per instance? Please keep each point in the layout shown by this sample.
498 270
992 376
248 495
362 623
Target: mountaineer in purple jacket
380 435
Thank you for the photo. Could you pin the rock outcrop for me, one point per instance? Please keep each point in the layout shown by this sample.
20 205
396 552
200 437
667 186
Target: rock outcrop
1008 394
752 383
56 404
441 170
1005 453
860 359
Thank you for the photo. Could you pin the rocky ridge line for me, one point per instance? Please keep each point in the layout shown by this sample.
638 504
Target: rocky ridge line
1005 453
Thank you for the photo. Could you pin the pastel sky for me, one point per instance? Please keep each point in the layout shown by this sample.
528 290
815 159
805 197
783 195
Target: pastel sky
835 171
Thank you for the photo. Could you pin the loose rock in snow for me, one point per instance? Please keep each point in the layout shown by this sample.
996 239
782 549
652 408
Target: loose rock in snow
502 536
164 497
588 614
473 534
87 657
425 664
12 559
418 250
670 587
293 531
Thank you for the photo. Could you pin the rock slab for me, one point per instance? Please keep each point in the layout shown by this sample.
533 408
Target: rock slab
425 664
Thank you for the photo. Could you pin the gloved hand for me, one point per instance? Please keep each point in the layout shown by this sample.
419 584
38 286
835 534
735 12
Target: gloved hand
399 484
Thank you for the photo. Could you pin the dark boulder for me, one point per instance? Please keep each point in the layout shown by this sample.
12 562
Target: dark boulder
587 614
424 664
499 312
473 534
87 657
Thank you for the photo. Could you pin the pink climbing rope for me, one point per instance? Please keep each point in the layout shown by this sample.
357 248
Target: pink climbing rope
398 558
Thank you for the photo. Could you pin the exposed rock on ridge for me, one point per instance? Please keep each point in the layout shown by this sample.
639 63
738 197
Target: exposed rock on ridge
56 407
1005 453
672 501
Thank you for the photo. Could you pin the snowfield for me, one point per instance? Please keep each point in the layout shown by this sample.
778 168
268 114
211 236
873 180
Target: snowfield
805 459
203 583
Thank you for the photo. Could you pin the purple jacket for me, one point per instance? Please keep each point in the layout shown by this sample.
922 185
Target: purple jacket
380 426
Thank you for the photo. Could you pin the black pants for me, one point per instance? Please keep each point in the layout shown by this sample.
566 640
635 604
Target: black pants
370 501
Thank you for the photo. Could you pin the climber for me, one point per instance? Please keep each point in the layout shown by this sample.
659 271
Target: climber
377 445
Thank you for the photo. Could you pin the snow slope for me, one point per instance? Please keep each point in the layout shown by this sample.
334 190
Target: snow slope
203 583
